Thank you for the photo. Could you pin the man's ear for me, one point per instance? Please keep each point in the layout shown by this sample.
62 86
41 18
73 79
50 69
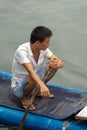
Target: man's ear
37 43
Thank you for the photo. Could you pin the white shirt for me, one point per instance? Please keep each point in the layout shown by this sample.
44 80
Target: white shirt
24 55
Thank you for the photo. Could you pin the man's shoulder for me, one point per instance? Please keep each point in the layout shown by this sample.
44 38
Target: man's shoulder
23 46
26 44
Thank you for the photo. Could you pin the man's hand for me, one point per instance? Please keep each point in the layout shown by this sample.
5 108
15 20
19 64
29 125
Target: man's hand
44 92
55 63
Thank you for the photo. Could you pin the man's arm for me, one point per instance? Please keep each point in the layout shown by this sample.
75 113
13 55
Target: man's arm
43 88
55 62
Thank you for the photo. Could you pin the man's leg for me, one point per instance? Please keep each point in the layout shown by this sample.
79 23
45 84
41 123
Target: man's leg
30 85
50 73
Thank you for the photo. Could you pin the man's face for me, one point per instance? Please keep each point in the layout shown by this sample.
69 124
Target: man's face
45 44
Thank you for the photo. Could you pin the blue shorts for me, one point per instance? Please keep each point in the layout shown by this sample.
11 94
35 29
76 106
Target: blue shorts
19 86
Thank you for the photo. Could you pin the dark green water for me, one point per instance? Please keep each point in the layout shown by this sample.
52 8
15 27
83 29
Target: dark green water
68 21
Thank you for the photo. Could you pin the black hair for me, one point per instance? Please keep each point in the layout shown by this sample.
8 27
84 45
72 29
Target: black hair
39 33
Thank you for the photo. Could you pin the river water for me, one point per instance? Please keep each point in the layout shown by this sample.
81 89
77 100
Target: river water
68 21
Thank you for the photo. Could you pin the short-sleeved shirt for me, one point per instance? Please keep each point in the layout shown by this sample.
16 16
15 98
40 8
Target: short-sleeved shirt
24 55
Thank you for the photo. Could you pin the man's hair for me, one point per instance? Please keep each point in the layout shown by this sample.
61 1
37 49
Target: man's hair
39 33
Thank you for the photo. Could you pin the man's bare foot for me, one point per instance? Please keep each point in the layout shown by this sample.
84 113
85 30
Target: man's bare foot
31 107
27 103
50 95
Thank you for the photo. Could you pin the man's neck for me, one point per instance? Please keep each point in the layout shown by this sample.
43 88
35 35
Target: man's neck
34 49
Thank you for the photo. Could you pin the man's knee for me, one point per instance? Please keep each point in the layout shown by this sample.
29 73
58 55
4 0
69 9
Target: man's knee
29 80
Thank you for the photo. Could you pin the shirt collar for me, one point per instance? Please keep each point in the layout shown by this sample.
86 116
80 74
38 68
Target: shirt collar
30 51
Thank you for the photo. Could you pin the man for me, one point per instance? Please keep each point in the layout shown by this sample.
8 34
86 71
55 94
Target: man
26 63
